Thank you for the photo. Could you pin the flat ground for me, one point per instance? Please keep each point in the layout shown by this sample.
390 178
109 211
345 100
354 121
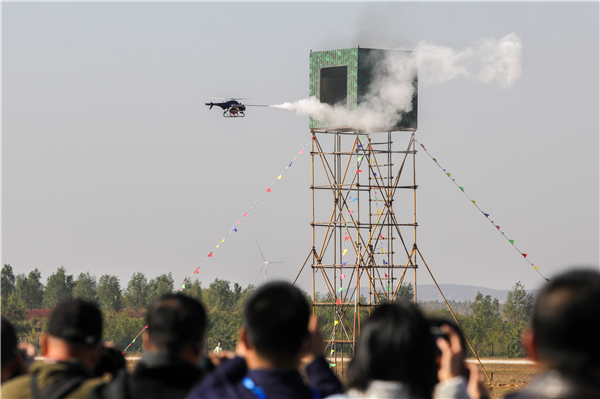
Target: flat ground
508 378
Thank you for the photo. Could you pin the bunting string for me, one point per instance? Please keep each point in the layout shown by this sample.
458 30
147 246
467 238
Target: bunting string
234 229
487 215
136 337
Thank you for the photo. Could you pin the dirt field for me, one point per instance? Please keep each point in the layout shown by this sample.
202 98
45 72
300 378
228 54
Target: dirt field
508 378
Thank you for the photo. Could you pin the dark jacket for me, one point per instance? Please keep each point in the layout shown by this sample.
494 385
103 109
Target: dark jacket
555 385
226 382
157 375
72 378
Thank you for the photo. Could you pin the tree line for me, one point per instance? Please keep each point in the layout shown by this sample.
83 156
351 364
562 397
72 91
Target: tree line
492 329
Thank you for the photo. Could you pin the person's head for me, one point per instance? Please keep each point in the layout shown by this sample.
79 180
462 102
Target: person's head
74 331
395 344
176 325
10 358
276 323
565 325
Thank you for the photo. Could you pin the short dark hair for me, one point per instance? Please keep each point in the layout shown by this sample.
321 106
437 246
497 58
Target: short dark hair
174 321
395 344
77 322
9 342
276 319
565 322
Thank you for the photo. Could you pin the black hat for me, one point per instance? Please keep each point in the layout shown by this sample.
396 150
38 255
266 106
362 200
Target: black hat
76 321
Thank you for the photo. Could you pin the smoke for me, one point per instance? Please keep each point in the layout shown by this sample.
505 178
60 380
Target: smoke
490 61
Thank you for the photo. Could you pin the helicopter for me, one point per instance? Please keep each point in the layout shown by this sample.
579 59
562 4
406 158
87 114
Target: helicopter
232 108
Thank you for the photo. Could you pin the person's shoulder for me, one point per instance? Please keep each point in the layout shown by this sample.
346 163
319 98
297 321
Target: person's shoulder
86 387
112 389
16 388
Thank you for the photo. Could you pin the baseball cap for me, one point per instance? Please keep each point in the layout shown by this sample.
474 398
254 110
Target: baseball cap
76 321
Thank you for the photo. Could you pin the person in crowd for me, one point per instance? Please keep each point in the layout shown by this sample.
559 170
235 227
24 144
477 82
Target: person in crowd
564 338
468 373
218 349
173 344
72 348
278 332
111 363
395 357
12 364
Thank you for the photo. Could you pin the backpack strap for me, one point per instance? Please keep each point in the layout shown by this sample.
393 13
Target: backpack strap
58 389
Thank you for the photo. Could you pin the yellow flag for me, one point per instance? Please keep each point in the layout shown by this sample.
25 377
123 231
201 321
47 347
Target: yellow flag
223 240
535 268
335 323
332 351
217 246
345 250
279 177
473 201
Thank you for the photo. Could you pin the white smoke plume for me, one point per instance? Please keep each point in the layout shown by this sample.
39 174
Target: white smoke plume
487 61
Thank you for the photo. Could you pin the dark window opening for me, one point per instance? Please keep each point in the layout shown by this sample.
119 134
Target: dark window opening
334 85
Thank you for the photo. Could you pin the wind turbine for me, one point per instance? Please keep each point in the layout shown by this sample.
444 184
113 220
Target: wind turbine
265 264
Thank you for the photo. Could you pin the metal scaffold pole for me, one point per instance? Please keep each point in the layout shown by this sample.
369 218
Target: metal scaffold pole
362 192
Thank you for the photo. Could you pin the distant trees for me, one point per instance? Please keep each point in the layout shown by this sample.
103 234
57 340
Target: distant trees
492 328
159 286
137 291
517 312
59 288
8 281
85 288
109 293
30 289
406 292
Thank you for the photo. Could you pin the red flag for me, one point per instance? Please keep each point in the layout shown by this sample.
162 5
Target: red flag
269 189
339 301
525 255
359 171
382 237
346 238
197 270
210 255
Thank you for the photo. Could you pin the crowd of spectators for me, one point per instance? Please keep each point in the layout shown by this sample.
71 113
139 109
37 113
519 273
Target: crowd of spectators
280 352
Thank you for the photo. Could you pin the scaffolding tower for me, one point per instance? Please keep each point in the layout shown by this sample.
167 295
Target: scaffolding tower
364 226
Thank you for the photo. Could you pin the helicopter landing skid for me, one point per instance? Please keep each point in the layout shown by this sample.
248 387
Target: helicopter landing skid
239 114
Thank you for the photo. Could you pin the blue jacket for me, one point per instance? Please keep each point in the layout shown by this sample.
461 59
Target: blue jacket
226 382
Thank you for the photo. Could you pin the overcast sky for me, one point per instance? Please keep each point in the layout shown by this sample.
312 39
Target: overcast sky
112 164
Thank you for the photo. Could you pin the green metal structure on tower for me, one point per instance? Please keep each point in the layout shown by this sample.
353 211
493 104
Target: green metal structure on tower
344 76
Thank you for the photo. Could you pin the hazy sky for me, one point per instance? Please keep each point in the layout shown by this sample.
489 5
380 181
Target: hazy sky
112 164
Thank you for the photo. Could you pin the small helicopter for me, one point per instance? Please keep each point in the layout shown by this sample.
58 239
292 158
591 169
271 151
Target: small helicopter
232 108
